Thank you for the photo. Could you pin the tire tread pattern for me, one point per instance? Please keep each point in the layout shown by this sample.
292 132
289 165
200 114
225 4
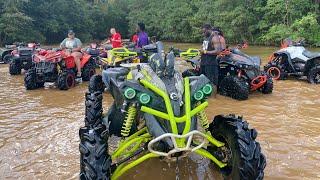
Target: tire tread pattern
30 79
14 68
95 162
312 73
234 87
250 162
267 88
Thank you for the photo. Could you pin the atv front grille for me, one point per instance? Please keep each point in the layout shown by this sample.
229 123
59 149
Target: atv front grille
45 67
25 53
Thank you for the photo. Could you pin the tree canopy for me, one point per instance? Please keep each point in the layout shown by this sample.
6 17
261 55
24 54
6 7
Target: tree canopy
256 21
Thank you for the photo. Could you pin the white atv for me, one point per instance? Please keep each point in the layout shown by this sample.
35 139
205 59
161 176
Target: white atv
294 61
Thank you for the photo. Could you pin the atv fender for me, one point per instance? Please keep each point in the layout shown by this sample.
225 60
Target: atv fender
85 58
5 52
225 62
111 75
289 59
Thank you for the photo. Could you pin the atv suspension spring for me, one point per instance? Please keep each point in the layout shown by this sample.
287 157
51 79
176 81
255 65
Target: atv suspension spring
203 119
128 121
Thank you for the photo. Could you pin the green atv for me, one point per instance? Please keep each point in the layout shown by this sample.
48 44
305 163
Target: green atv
117 56
187 54
157 113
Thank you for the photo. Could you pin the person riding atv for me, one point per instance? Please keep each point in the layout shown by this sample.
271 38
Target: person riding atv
238 74
72 46
294 61
157 113
21 58
58 67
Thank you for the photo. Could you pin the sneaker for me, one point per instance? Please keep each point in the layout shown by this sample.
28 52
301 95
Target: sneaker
78 79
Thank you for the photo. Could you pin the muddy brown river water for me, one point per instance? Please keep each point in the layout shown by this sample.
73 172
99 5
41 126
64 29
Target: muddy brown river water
39 131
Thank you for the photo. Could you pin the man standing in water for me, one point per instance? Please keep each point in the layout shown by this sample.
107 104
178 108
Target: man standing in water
211 47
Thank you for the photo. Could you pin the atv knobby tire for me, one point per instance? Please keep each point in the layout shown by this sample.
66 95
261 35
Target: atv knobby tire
66 80
30 79
96 84
14 68
241 152
190 72
267 88
88 71
93 113
234 87
314 75
95 162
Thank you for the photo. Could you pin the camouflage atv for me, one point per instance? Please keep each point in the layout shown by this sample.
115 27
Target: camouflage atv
157 113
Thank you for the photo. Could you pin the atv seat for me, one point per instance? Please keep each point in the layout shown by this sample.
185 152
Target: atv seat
310 54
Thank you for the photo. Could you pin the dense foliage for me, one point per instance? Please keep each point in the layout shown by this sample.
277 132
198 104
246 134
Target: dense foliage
257 21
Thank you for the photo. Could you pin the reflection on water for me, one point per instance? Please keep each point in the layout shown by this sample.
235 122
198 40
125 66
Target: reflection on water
39 131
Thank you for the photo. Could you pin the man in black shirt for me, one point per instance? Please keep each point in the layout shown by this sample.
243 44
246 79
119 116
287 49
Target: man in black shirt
211 47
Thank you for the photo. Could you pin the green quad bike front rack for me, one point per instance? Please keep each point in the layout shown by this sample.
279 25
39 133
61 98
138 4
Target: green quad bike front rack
117 56
189 54
157 113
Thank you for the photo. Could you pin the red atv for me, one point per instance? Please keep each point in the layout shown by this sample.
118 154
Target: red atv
57 67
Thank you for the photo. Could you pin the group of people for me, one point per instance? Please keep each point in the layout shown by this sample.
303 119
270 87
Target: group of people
213 44
73 45
140 38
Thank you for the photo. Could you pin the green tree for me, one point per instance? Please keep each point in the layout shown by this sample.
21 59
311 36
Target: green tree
15 25
307 28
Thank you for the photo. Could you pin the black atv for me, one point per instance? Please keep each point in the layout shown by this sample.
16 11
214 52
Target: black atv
145 52
22 58
6 52
294 61
238 74
96 51
157 114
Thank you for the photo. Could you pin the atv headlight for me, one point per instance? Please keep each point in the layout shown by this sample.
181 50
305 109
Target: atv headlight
198 95
207 89
144 98
130 93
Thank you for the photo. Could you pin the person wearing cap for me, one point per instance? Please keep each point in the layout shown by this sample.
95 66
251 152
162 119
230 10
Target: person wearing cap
143 38
73 45
211 47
